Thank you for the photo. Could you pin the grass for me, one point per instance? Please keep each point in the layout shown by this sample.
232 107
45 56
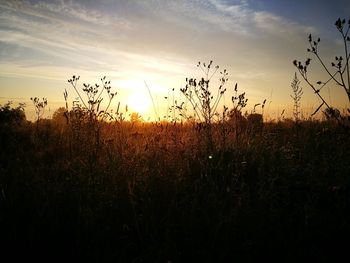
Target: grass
149 192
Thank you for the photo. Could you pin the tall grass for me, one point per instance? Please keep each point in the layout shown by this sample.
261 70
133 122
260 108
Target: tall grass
152 192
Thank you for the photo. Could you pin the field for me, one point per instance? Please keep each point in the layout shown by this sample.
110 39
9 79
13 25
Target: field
200 131
126 191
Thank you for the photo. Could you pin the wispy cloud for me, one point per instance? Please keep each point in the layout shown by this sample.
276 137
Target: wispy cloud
60 11
278 26
70 26
207 15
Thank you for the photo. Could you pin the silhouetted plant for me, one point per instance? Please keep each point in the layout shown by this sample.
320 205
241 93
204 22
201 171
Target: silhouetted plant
91 105
296 96
339 70
239 102
253 111
175 109
203 100
118 115
93 96
87 111
39 107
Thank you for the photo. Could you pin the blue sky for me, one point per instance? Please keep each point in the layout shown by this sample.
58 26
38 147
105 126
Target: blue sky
43 43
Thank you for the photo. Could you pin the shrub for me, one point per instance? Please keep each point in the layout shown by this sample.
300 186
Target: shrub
9 114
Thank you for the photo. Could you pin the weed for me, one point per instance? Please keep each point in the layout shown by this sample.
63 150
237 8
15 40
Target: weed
337 72
296 96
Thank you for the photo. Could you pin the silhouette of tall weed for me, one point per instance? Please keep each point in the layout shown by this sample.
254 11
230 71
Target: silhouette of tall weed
203 99
87 116
337 71
296 96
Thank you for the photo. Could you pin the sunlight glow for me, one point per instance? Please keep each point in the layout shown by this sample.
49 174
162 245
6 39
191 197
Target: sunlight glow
139 102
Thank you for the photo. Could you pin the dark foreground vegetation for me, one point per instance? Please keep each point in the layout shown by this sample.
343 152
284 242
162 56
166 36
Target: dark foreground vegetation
142 192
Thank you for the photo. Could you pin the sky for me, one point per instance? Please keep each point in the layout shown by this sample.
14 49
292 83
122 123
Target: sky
44 43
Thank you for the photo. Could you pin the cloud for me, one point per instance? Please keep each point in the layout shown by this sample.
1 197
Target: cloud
150 27
277 25
60 11
156 40
46 30
208 15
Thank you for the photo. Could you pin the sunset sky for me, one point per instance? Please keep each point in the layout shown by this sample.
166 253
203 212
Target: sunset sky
43 43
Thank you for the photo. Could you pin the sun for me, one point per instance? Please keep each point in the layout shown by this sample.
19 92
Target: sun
139 102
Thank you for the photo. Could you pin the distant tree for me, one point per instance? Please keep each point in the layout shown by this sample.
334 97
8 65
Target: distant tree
337 72
14 132
60 116
9 114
